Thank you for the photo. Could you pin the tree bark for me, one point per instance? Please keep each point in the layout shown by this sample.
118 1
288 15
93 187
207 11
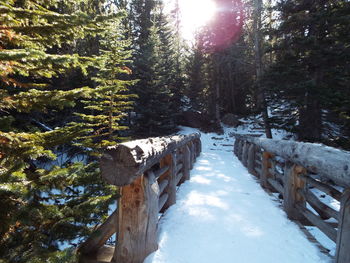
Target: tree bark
261 103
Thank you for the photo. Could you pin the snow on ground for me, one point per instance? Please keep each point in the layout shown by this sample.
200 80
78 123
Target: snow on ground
223 215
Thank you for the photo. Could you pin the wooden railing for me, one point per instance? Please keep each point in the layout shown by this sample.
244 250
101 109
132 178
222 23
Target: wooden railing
148 173
294 169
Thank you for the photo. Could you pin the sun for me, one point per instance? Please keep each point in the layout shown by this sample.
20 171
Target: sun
195 14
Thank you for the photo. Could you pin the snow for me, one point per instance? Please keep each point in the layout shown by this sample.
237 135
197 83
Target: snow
223 215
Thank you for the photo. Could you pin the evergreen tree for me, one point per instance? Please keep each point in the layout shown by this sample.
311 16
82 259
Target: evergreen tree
110 100
309 71
47 196
157 88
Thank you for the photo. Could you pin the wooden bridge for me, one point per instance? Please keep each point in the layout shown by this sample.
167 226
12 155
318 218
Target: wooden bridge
149 171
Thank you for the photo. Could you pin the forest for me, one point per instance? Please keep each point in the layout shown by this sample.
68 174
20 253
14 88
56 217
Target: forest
79 76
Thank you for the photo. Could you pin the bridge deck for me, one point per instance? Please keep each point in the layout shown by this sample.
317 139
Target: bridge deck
223 215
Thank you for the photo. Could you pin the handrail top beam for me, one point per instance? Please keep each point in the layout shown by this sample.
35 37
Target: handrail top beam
123 163
328 162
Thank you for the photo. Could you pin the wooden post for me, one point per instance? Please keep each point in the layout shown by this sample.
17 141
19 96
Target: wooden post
190 146
240 149
137 220
293 182
235 147
251 159
194 149
343 238
170 175
245 153
199 147
99 237
186 162
265 174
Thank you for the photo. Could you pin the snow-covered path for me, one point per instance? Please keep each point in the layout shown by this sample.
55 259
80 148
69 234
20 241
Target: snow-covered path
223 215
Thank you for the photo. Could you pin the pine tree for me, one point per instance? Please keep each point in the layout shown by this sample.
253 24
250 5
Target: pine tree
156 107
308 66
47 195
110 100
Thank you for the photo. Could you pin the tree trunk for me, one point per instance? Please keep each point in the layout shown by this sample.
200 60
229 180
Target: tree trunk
310 120
259 65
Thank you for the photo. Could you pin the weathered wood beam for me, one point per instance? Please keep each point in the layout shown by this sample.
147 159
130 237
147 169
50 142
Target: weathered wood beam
343 238
162 200
190 146
162 185
265 174
137 220
99 237
179 158
251 159
178 178
161 171
103 255
186 162
170 190
276 185
245 153
178 168
323 187
317 221
122 164
199 146
258 171
293 182
322 209
328 162
312 239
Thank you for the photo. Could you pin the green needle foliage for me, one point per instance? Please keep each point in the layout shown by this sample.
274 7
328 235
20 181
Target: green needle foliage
59 109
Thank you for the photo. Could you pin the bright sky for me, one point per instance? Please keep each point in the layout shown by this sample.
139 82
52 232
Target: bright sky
194 14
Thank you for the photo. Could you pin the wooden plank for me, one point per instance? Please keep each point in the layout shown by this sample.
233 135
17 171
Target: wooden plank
190 146
343 238
279 175
293 181
236 146
322 209
266 164
258 171
178 178
178 168
245 153
170 160
312 239
163 198
258 162
327 229
103 255
179 158
240 149
138 219
161 171
276 185
199 142
122 164
272 172
186 163
99 237
323 187
251 159
162 185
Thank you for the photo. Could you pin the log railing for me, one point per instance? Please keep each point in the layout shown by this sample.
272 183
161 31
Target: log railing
294 170
148 173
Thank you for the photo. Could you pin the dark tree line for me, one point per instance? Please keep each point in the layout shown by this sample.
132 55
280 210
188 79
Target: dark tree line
290 63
